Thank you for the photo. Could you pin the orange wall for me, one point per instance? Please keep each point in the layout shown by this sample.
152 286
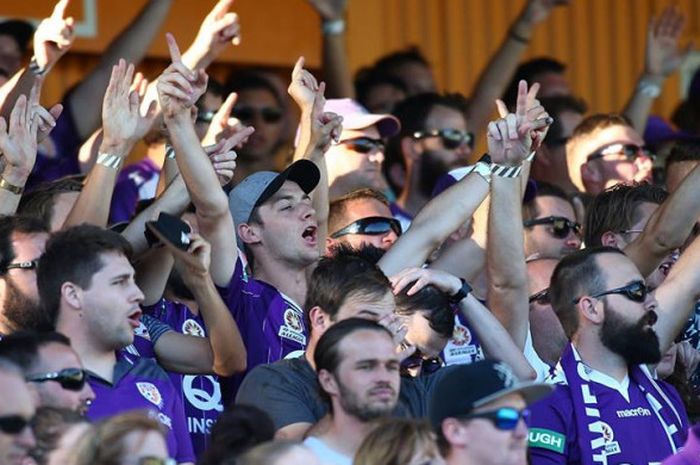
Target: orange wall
601 40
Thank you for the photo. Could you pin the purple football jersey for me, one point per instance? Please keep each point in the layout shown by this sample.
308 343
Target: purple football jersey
201 394
271 324
141 384
136 182
631 430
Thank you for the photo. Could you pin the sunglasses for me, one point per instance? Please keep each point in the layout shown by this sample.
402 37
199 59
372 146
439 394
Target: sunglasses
30 265
542 297
630 151
451 138
156 461
371 226
636 292
505 418
72 379
418 360
13 424
364 145
560 226
268 114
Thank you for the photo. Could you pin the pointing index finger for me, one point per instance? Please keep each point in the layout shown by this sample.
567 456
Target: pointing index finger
59 10
175 55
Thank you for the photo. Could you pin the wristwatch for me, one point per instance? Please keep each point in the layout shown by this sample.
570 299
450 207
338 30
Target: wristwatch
463 292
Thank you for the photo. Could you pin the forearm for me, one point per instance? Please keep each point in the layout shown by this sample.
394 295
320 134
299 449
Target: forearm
435 222
167 174
152 272
494 339
640 102
87 155
131 44
505 262
336 70
9 200
226 342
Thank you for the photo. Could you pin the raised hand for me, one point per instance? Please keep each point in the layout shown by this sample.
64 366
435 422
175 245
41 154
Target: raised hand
223 125
329 10
218 29
53 37
47 120
539 10
193 263
18 142
222 155
122 121
442 280
304 87
179 87
663 55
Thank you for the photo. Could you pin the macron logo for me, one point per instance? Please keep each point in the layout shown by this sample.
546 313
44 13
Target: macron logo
634 412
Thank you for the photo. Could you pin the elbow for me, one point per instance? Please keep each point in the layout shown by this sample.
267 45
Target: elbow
232 365
213 207
527 373
507 284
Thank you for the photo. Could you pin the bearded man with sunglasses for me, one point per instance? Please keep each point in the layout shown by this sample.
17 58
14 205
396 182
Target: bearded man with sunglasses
16 413
355 161
607 405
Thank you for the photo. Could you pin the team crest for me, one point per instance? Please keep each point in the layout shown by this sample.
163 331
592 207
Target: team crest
292 319
192 328
461 336
142 331
612 447
151 393
293 328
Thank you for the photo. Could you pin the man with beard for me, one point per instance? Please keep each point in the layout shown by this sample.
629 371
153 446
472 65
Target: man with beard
52 367
21 243
434 139
355 161
607 403
358 370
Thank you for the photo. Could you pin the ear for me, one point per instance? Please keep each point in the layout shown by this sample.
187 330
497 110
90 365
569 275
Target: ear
249 233
589 309
72 295
319 319
328 383
455 432
590 175
609 239
330 243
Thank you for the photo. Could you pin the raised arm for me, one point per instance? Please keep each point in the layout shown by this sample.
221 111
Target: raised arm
131 45
178 89
123 126
663 58
494 79
219 28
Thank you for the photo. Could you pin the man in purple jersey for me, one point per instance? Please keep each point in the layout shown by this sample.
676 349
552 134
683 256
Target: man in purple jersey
92 298
607 406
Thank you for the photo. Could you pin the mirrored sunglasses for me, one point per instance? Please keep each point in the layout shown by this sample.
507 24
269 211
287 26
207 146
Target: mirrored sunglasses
560 226
636 291
630 151
505 418
451 138
72 379
371 226
364 144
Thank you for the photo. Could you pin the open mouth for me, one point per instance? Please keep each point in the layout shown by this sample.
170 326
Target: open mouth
309 235
135 319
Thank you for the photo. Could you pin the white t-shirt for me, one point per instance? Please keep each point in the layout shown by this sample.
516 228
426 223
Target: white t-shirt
327 455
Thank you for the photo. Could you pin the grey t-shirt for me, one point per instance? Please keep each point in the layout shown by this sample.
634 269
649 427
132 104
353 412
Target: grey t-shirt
289 392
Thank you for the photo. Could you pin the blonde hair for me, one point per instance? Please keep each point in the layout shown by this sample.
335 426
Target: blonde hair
105 445
394 441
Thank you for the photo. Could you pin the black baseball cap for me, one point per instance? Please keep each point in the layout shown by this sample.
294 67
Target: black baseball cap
462 388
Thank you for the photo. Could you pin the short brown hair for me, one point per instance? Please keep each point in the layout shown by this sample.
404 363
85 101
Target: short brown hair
39 203
394 441
338 207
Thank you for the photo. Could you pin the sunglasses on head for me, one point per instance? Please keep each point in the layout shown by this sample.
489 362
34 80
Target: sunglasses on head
13 424
30 265
630 151
268 114
505 418
371 226
541 297
72 379
560 226
636 292
418 360
451 138
364 144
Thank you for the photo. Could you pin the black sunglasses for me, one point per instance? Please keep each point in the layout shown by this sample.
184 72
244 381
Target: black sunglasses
541 297
13 424
371 226
417 359
560 225
30 265
505 418
72 379
636 292
451 138
268 114
630 151
364 144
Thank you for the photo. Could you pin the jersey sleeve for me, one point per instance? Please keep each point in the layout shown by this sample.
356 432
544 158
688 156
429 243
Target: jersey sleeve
232 294
551 433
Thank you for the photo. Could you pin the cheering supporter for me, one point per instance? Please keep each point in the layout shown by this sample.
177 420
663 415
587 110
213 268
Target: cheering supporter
52 366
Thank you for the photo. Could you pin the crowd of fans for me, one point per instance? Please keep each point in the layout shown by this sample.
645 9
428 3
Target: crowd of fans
382 299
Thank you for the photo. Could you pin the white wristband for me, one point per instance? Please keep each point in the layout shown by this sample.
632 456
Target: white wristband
333 28
109 161
504 171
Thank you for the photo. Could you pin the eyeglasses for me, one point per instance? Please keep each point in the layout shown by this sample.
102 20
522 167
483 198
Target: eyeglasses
156 461
542 297
505 418
630 151
418 360
72 379
371 226
30 265
364 144
636 292
560 226
13 424
268 114
451 138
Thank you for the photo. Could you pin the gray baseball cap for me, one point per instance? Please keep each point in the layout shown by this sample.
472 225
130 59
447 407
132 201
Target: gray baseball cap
257 188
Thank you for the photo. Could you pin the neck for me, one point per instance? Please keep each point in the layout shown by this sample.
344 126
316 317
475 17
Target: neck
600 358
310 349
286 279
94 357
346 432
